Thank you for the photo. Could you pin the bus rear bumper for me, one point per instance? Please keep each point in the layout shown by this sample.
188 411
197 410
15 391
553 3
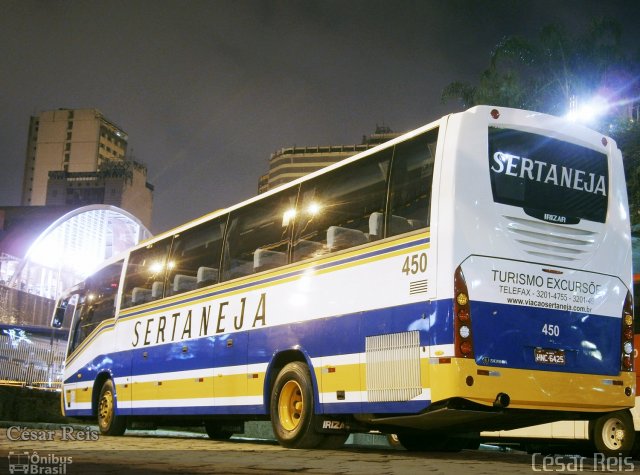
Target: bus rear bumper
530 389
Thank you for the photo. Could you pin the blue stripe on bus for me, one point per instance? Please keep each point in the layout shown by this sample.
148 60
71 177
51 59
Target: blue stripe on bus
376 407
78 412
287 275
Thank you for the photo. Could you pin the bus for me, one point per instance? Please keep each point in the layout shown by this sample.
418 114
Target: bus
473 274
608 433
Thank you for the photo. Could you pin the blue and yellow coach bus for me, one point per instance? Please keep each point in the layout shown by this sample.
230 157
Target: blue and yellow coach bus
473 274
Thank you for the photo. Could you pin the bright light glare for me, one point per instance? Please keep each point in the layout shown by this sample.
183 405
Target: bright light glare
155 267
588 111
288 216
313 209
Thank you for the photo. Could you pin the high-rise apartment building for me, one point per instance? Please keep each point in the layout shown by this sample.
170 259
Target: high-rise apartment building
73 140
78 157
290 163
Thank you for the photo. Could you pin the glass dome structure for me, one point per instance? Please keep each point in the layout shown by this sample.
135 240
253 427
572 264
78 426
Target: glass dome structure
75 245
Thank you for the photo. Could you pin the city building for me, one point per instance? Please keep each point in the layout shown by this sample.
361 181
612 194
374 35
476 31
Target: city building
78 157
290 163
121 183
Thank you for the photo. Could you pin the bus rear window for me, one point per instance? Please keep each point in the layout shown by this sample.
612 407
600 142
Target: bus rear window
549 179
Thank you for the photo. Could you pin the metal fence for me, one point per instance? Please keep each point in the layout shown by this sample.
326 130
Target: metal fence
22 308
31 361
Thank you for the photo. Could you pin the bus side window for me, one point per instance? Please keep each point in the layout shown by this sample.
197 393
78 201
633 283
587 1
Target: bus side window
411 179
258 235
335 210
145 277
195 257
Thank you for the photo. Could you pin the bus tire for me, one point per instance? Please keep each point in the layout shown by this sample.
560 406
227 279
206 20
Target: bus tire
292 408
108 422
613 434
214 431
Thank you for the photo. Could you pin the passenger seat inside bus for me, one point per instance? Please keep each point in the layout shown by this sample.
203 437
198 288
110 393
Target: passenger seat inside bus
183 283
140 295
344 238
265 259
398 225
206 276
376 225
157 290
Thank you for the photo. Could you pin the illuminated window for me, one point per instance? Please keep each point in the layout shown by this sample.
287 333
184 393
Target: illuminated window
195 257
257 239
335 209
146 273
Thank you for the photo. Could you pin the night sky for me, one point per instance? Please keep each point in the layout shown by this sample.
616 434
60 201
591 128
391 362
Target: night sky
207 90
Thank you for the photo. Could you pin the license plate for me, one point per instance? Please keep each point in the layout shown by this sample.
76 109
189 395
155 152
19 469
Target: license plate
547 356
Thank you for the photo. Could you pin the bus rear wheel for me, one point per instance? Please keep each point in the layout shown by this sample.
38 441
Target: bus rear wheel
613 434
108 422
292 408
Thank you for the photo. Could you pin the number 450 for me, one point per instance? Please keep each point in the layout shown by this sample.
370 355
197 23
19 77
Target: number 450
551 330
415 263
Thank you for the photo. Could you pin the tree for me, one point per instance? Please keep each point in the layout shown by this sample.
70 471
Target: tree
557 72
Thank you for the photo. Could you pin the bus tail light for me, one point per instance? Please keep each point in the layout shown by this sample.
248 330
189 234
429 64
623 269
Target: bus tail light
626 337
463 336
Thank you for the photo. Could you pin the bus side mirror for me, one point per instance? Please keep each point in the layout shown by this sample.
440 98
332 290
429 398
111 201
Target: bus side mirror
58 317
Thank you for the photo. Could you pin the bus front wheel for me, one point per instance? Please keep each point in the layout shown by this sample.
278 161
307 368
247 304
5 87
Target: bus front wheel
108 422
292 408
613 433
